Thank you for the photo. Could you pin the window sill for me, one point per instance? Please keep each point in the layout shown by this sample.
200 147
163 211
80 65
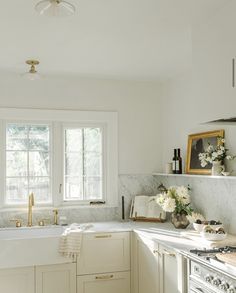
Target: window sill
51 207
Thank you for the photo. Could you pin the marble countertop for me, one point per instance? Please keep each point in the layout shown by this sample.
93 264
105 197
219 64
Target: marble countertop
164 233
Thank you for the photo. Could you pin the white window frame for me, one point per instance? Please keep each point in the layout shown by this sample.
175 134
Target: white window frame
58 118
104 160
21 122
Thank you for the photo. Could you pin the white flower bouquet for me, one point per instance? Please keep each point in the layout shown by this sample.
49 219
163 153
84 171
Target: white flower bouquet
175 199
215 153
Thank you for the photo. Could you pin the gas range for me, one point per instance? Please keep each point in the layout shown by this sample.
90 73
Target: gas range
207 274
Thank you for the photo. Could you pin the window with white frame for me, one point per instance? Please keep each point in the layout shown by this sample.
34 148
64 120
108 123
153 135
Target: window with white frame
27 163
63 157
83 164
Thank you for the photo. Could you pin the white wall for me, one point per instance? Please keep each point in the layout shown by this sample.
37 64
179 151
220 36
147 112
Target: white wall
137 104
182 115
205 93
199 96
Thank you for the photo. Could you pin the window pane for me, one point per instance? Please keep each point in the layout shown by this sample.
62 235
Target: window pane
73 188
93 164
39 138
16 137
93 188
27 163
73 140
16 190
38 163
74 164
17 131
83 160
16 163
40 188
93 140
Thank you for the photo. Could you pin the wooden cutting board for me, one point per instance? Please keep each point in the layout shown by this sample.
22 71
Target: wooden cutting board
229 258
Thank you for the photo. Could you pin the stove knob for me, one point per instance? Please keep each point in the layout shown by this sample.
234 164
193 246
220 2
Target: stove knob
216 282
208 278
231 290
224 286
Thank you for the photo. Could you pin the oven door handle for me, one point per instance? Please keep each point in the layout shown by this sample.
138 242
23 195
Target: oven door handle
196 290
199 290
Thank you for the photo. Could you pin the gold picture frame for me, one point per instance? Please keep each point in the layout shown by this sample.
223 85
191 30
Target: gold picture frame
196 144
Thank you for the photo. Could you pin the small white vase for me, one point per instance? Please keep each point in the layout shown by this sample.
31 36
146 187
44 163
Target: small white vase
217 168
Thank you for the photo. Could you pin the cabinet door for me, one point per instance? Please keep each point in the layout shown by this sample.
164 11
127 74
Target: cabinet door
145 271
20 280
214 47
104 252
168 271
104 283
56 278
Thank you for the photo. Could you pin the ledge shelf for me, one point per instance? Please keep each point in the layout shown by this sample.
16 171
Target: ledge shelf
194 176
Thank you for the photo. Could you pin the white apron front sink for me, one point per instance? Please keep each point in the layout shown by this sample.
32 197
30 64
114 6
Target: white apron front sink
22 247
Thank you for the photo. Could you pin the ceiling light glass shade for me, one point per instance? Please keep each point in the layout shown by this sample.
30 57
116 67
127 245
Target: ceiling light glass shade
58 8
31 76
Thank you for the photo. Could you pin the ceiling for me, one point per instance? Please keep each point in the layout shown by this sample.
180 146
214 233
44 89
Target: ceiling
120 39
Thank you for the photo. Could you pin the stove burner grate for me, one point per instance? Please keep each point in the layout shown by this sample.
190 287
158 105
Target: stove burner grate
205 252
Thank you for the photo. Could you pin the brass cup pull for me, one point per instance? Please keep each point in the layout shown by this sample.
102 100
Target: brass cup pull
103 236
168 253
104 277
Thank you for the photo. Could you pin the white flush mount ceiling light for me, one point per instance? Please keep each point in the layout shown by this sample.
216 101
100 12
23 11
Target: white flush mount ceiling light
52 8
32 74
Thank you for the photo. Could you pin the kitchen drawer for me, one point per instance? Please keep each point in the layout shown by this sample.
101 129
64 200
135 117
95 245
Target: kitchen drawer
104 252
104 283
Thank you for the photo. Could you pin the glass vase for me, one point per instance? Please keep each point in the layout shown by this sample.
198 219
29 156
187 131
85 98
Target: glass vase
180 221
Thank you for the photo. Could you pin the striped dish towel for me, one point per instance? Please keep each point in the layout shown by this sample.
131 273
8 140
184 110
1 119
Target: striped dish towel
70 241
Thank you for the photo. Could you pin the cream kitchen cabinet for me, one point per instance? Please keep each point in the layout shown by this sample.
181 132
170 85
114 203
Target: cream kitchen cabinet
104 263
59 278
145 265
156 268
214 78
104 252
172 270
168 270
18 280
118 282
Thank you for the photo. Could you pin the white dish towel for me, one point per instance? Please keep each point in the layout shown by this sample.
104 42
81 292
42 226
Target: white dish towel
70 241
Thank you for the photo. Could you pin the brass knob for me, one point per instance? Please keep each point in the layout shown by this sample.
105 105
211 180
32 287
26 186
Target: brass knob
42 222
17 222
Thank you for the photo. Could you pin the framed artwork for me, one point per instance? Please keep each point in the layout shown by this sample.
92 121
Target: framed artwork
197 143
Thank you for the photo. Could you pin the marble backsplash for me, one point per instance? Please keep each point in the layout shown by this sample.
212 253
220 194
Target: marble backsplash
215 198
129 186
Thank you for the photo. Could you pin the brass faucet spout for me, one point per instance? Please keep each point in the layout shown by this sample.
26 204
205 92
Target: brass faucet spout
30 209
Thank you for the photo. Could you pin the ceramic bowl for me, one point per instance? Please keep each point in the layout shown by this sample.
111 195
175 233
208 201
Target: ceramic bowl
213 236
198 227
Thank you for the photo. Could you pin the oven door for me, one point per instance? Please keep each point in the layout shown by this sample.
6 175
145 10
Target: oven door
195 287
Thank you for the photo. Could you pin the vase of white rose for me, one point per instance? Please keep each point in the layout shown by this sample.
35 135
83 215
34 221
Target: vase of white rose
176 200
215 155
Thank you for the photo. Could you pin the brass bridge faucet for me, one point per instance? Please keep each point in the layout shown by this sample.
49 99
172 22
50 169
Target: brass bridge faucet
30 205
55 220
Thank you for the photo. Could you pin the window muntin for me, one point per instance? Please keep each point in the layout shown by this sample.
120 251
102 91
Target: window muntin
83 164
28 163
